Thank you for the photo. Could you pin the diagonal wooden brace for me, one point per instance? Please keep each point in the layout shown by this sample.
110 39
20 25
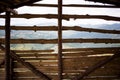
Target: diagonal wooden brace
27 64
96 66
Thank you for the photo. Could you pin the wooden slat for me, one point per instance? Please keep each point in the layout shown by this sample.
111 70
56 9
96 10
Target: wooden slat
66 17
69 62
55 78
27 64
54 41
97 66
73 55
104 49
54 28
70 51
69 67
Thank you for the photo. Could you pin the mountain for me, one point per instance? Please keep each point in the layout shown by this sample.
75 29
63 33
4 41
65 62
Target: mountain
78 34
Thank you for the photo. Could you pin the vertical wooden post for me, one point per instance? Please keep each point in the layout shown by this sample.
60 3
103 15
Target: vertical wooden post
7 46
60 68
11 68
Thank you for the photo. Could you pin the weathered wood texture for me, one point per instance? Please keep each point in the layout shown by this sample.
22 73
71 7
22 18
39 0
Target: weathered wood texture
75 5
54 41
66 17
34 64
75 62
54 28
27 64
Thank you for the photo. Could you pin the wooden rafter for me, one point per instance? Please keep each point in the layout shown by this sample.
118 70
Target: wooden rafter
75 5
54 28
107 49
25 3
64 16
27 64
96 66
54 41
14 4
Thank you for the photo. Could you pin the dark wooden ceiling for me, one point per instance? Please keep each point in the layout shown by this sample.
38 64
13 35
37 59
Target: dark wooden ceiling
14 3
114 2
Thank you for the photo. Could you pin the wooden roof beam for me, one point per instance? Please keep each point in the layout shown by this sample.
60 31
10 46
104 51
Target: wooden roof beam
64 16
74 5
54 41
54 28
27 64
87 50
102 49
25 3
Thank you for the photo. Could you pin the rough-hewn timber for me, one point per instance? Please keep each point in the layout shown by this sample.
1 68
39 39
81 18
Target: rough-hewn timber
64 16
54 28
54 41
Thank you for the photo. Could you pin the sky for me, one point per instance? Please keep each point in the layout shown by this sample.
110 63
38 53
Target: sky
70 10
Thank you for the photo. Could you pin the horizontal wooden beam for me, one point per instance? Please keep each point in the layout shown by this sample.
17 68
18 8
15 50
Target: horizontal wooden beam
75 50
104 49
74 5
55 70
54 41
30 76
74 54
34 51
54 28
64 16
27 64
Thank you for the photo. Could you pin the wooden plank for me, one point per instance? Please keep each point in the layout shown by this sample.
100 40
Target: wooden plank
72 66
104 49
64 58
97 65
73 50
54 41
83 62
98 78
65 55
66 17
28 65
66 76
31 51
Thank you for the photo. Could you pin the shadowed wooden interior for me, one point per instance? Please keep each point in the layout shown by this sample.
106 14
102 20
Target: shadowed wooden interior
95 63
